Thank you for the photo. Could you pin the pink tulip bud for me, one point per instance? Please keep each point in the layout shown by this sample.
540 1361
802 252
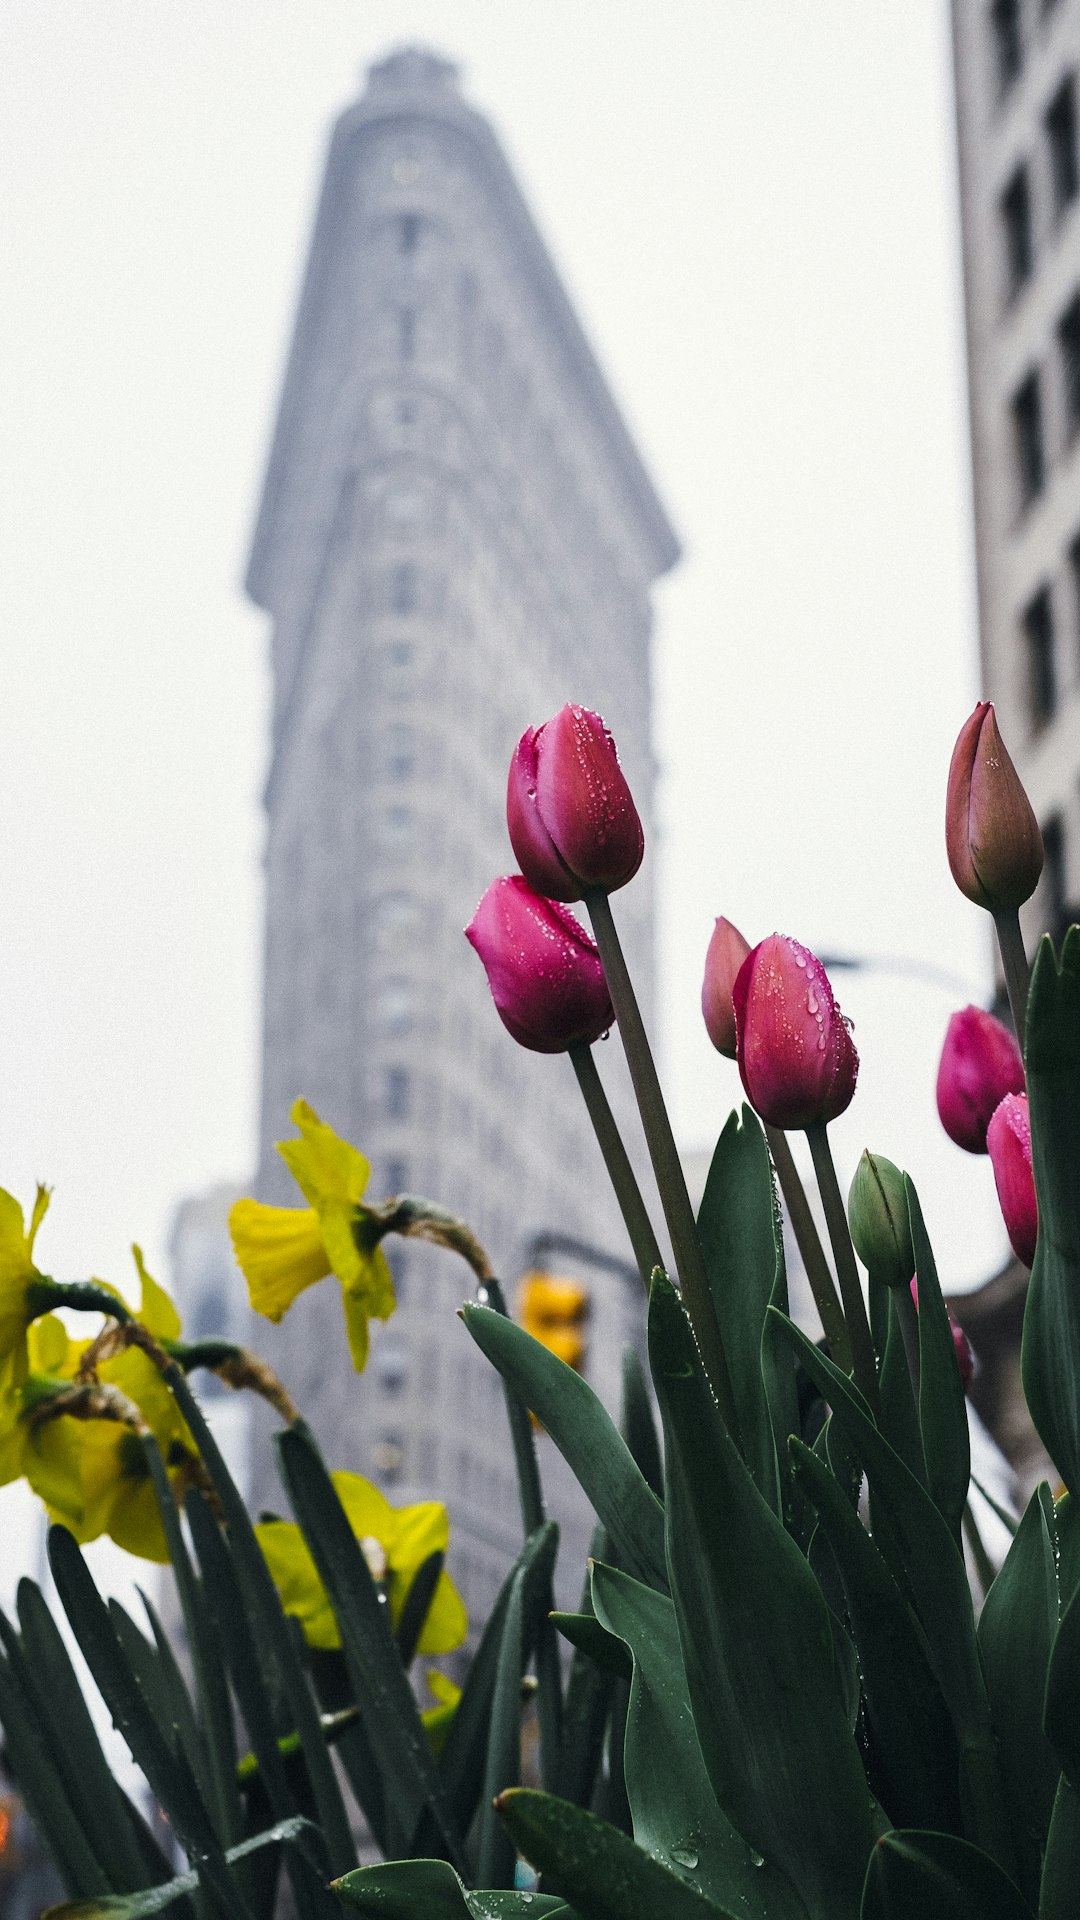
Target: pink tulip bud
992 837
1008 1142
965 1353
543 970
572 820
727 951
795 1052
980 1064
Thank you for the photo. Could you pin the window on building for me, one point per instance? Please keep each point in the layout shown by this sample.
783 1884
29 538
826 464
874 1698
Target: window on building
396 1175
391 1362
399 744
409 232
1017 232
1054 891
1042 679
1028 435
396 1093
403 587
1008 41
1069 347
406 333
1061 141
398 1265
394 1004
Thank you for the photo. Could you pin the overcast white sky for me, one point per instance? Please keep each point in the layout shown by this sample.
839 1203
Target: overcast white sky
753 206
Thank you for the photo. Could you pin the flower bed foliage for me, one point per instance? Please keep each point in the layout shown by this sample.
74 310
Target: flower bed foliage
776 1698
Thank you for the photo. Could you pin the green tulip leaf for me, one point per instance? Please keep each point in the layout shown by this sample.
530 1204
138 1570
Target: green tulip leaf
1061 1714
585 1435
151 1900
1061 1863
942 1403
409 1889
583 1630
899 1420
636 1423
600 1870
586 1704
757 1645
744 1259
1050 1354
935 1876
674 1809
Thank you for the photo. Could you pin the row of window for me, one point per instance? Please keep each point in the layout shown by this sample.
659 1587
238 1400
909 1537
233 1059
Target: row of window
1028 412
1040 628
1017 203
1008 39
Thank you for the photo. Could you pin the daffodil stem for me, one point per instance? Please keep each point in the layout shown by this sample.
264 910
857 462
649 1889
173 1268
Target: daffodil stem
807 1239
1014 963
85 1296
864 1360
530 1492
617 1161
686 1247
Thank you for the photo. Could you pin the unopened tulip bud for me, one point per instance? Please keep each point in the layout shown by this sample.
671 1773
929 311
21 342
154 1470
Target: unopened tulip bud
878 1218
962 1347
796 1056
727 951
543 970
571 816
992 837
980 1064
1008 1142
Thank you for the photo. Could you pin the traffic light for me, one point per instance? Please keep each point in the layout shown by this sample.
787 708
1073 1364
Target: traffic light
554 1311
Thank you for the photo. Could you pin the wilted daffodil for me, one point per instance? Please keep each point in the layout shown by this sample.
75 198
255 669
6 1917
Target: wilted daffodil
282 1250
17 1275
396 1542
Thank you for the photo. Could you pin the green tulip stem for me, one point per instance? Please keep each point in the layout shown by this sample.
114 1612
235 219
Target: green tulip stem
808 1241
1014 962
689 1263
617 1161
847 1271
985 1571
908 1316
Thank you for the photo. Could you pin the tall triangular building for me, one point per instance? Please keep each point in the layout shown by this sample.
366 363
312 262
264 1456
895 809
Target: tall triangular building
456 536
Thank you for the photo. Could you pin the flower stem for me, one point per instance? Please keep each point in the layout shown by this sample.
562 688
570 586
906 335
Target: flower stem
847 1271
822 1284
689 1264
617 1161
1014 962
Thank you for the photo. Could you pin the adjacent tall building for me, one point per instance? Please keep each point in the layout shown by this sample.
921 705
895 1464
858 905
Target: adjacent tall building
456 536
1017 66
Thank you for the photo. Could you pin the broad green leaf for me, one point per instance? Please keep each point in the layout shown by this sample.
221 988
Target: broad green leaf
140 1906
586 1437
674 1809
1061 1716
942 1405
743 1250
914 1771
1016 1633
589 1692
899 1414
598 1869
636 1423
431 1890
1061 1865
757 1645
934 1876
583 1630
502 1766
382 1688
1050 1354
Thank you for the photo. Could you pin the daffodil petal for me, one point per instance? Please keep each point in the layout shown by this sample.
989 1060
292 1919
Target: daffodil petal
368 1511
324 1166
52 1463
447 1622
40 1209
279 1250
299 1588
48 1345
156 1310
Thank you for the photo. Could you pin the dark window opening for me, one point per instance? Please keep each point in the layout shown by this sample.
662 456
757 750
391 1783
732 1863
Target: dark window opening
1061 138
403 588
1069 344
409 232
1042 677
1028 434
1056 911
398 1265
406 333
397 1093
1017 231
400 753
1008 41
396 1176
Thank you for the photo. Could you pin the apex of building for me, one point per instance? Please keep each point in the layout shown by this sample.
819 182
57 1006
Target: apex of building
413 70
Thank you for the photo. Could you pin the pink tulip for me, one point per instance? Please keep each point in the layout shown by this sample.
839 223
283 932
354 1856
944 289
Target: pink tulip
795 1052
1008 1142
965 1353
543 970
572 820
727 951
980 1064
992 837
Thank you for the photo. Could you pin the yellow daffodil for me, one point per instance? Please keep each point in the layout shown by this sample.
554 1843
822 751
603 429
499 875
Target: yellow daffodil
282 1250
45 1453
396 1542
437 1719
17 1274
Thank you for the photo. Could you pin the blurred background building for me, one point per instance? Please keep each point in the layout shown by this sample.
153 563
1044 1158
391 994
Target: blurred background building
456 536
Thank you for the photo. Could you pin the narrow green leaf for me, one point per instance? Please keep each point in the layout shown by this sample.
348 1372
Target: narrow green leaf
636 1422
382 1688
1016 1632
934 1876
899 1414
583 1630
1061 1865
675 1815
140 1906
409 1889
43 1791
757 1645
163 1687
942 1405
356 1749
597 1868
417 1602
589 1693
914 1774
1050 1353
743 1251
494 1853
586 1437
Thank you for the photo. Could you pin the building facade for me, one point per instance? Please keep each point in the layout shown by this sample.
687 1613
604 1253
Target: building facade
1017 68
456 536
